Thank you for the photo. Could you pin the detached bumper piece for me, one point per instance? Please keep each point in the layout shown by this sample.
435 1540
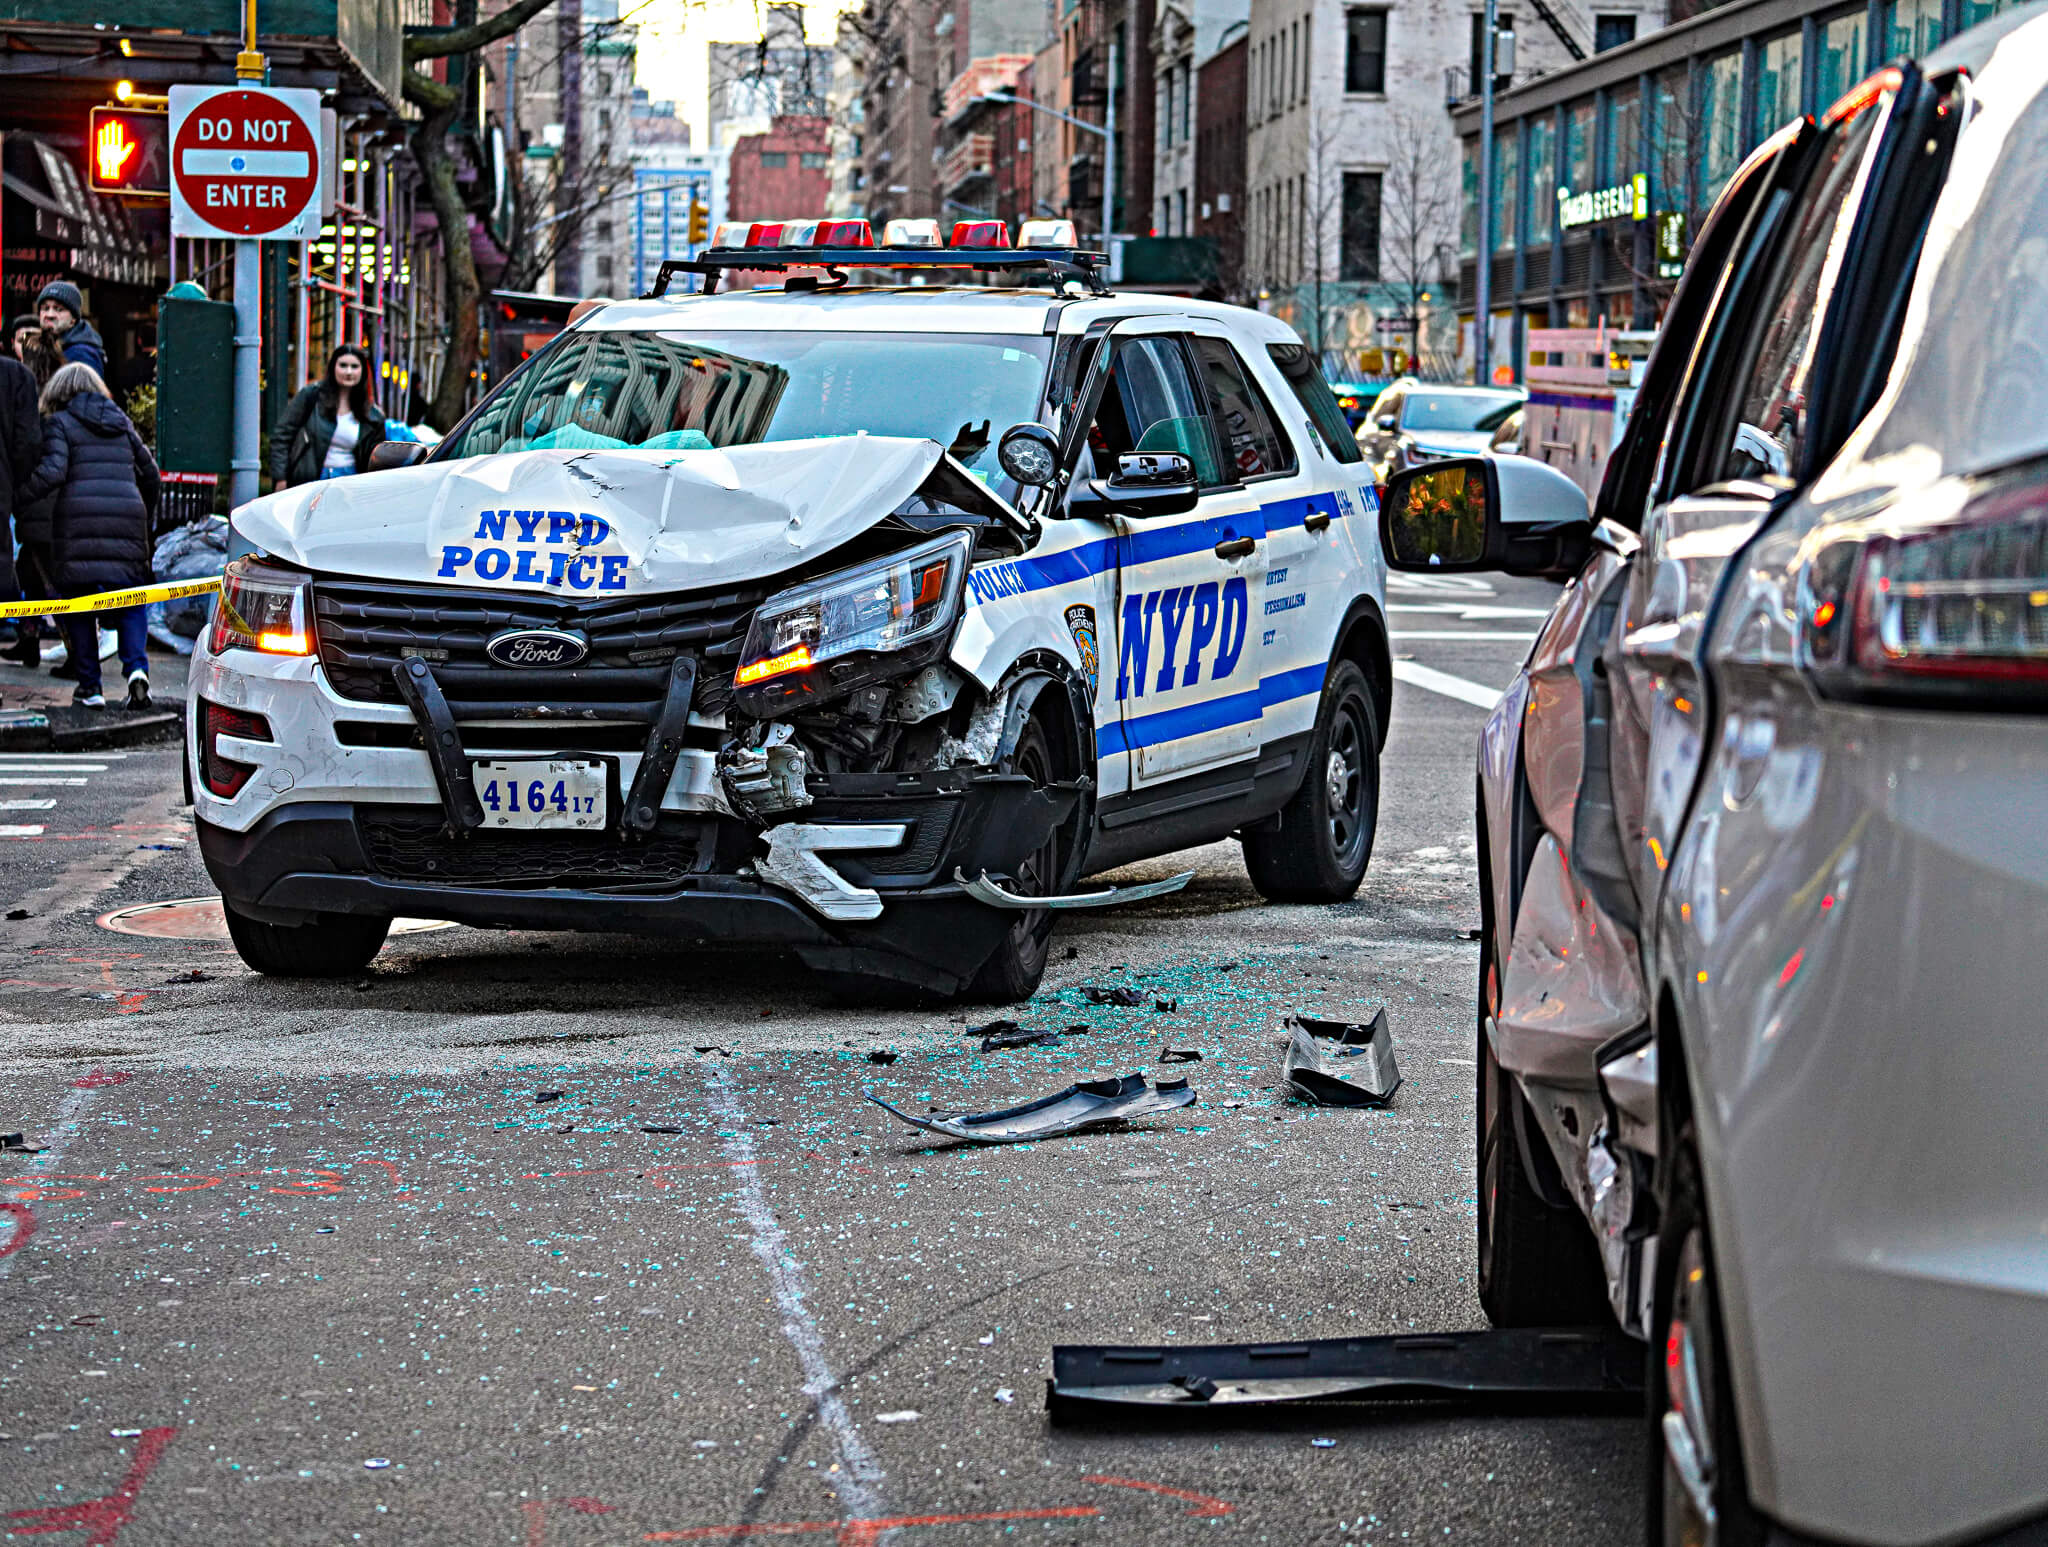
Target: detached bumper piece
1503 1369
982 889
1341 1064
1091 1104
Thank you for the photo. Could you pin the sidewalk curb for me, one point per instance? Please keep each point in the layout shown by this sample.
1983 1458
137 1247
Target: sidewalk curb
33 730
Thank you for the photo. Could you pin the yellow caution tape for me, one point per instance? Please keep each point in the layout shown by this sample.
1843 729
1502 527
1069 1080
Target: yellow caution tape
107 601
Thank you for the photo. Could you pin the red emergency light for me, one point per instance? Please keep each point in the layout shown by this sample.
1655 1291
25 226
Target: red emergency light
980 233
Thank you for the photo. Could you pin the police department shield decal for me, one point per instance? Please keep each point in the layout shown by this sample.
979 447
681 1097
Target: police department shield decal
1081 621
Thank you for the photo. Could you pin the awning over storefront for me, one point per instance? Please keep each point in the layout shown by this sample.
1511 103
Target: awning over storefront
54 213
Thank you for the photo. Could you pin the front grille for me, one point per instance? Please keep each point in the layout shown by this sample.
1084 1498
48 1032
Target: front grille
414 845
365 629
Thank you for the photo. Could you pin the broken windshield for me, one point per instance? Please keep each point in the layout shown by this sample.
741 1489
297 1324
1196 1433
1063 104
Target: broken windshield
677 392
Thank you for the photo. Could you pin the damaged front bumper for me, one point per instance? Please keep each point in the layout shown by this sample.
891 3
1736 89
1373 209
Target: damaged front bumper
860 883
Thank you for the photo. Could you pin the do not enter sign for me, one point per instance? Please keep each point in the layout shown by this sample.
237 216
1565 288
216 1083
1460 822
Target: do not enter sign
245 162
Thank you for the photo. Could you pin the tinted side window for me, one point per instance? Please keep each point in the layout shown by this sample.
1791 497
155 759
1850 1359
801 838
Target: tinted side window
1323 413
1769 405
1252 443
1152 404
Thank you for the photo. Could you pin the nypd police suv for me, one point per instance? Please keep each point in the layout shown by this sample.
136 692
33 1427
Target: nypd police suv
860 619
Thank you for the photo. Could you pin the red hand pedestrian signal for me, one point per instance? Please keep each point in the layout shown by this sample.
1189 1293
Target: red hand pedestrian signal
112 150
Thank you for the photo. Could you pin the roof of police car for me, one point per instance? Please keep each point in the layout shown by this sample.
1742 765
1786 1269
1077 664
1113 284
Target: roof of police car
914 309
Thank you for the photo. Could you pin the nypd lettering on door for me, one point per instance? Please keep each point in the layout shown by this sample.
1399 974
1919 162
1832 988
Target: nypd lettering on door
537 547
1186 621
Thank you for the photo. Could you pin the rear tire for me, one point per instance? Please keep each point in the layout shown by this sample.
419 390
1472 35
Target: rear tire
334 945
1017 966
1538 1266
1324 840
1699 1486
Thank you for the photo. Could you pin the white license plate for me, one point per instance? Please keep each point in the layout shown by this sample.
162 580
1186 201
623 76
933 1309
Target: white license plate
541 794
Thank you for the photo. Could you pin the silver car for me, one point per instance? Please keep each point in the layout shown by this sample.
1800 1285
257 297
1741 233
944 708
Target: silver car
1762 835
1414 421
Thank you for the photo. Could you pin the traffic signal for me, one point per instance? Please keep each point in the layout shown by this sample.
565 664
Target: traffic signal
128 151
700 221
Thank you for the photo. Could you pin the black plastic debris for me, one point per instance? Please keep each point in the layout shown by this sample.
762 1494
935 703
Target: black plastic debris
1073 952
1075 1031
879 1056
1502 1369
1018 1037
1226 966
722 1052
1129 998
657 1129
194 976
1341 1063
549 1095
1166 1006
993 1029
1180 1055
1090 1104
1468 934
17 1144
15 914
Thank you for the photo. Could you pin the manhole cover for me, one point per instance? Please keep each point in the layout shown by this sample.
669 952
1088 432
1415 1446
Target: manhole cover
200 918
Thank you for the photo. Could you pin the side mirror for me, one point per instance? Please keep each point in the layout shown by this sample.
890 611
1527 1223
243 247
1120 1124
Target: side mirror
1146 485
1387 422
388 454
1029 453
1507 513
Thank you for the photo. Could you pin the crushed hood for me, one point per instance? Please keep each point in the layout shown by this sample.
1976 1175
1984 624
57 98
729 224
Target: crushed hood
599 523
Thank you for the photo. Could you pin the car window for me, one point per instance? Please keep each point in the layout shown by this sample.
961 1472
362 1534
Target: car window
1151 403
1770 409
1252 443
680 392
1327 419
1428 410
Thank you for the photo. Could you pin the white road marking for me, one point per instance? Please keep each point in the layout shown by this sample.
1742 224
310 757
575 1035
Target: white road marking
74 784
17 830
1443 682
62 1132
1471 614
857 1479
27 805
46 765
1483 636
1467 583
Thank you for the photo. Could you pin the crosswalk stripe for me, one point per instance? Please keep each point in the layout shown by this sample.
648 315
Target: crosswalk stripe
1477 694
1477 636
73 784
11 831
26 805
16 766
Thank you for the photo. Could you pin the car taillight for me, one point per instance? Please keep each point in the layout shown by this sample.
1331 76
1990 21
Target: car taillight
1953 608
223 775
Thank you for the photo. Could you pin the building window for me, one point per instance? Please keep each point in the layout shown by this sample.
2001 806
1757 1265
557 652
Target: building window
1840 64
1612 32
1721 117
1671 142
604 268
813 159
1623 153
1503 21
1468 224
1507 178
1180 219
1578 147
1777 85
1913 28
1365 52
1358 239
775 159
1543 185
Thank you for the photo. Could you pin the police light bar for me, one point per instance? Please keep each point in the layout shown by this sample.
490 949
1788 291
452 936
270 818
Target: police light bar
980 233
733 233
793 233
1048 233
912 233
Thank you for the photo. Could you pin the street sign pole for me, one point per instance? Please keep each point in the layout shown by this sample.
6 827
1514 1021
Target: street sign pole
246 462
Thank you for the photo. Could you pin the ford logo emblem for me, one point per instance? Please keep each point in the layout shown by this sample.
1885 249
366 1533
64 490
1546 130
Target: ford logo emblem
536 647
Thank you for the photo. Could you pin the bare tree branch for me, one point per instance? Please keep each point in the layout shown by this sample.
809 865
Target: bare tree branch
467 40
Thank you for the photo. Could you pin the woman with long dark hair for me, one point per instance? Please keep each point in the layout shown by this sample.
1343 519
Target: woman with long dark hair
330 428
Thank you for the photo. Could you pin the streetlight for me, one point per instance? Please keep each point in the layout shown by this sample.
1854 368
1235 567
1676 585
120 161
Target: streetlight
1107 131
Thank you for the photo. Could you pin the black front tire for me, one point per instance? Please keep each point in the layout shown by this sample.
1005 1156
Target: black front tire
1538 1266
1699 1485
1015 968
334 945
1319 850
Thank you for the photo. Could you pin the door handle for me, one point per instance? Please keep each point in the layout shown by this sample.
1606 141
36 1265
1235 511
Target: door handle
1235 547
1315 521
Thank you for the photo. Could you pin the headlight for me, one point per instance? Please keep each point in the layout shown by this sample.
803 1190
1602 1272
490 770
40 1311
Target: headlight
262 608
820 639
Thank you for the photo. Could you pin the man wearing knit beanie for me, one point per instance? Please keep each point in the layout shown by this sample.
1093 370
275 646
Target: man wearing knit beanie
62 311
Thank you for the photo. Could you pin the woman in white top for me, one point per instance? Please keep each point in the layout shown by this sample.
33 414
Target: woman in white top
331 426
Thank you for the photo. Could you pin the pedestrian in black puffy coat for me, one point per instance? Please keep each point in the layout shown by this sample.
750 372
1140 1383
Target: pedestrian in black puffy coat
330 427
105 484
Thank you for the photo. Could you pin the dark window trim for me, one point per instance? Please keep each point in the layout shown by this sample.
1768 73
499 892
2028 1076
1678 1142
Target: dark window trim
1215 431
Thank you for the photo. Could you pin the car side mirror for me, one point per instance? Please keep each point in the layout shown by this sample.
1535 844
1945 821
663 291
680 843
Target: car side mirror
1387 422
388 454
1490 512
1146 485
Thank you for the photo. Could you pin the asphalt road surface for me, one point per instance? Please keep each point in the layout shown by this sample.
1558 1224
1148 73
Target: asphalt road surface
313 1264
